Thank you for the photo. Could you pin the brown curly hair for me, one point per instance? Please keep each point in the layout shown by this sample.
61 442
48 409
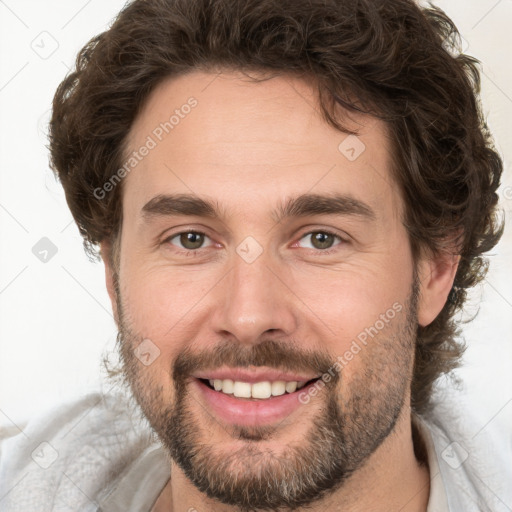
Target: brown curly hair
387 58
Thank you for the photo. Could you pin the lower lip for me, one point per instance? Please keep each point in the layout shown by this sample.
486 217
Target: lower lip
250 412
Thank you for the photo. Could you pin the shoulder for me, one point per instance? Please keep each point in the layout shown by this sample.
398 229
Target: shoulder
474 452
64 459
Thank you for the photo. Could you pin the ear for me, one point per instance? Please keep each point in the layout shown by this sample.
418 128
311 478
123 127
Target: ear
106 253
436 275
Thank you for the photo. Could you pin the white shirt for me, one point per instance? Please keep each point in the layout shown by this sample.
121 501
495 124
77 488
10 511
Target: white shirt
98 455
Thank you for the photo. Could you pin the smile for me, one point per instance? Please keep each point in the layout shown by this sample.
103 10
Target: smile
251 404
260 390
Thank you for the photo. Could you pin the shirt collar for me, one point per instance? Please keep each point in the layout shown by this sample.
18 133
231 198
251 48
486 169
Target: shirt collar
437 501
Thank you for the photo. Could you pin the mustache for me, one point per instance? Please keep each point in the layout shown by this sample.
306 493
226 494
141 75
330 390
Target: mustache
269 353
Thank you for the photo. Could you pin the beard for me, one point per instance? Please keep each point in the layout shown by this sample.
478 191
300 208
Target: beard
351 422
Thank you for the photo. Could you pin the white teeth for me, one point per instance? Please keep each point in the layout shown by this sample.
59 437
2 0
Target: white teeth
261 390
228 386
291 387
242 390
278 387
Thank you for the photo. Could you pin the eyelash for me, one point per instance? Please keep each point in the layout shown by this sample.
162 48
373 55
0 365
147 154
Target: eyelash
325 232
198 232
182 250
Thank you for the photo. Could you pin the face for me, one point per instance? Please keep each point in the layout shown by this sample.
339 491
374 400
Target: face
261 248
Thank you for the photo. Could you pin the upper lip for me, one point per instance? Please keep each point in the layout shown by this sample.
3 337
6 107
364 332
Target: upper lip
252 376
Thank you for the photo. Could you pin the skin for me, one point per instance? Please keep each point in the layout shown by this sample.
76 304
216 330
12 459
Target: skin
249 147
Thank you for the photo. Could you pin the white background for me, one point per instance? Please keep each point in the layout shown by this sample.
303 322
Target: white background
55 320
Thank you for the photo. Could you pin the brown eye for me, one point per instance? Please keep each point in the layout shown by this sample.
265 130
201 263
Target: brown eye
190 240
320 240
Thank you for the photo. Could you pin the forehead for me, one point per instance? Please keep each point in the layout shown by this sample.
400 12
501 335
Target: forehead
244 143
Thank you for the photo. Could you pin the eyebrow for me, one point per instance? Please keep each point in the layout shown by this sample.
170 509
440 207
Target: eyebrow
301 206
180 204
317 204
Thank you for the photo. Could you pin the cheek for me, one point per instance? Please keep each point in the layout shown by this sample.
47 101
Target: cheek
163 314
355 296
160 301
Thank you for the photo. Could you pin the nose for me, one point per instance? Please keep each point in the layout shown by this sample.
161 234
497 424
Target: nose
253 300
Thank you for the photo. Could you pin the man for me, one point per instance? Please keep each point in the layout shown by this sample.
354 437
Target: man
291 200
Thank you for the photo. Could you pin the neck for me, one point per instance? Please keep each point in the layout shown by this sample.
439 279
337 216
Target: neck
393 478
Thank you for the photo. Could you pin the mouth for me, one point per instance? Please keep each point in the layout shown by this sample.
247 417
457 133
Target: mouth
262 390
252 404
